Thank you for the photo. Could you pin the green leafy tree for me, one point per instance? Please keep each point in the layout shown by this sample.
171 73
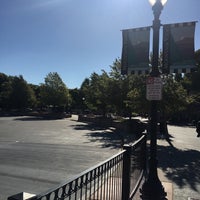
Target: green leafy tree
22 95
121 94
87 96
77 99
195 76
15 93
191 82
5 91
136 95
175 98
118 89
95 92
54 92
36 90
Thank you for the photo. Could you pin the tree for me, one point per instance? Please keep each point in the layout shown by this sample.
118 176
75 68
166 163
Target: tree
175 98
77 99
5 91
118 89
15 93
36 90
191 82
113 92
54 92
95 92
22 95
115 72
136 95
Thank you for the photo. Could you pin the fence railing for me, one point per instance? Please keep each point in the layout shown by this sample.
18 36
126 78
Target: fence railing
134 167
114 179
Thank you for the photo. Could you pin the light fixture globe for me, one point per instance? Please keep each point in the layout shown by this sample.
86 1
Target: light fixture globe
152 2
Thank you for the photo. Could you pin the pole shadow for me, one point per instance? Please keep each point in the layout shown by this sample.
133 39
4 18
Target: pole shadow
106 136
180 166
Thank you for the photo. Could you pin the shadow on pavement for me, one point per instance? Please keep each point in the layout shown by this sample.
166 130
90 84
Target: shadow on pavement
29 119
108 137
168 137
37 118
87 126
180 166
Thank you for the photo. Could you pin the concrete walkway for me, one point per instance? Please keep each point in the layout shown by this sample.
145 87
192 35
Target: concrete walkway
179 163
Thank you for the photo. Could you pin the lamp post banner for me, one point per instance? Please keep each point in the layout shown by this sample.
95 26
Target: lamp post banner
178 47
135 51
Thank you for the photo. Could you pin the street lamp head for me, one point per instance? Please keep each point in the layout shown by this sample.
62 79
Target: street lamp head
153 2
157 6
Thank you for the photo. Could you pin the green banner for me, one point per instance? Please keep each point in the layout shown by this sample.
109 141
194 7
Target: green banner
135 50
178 47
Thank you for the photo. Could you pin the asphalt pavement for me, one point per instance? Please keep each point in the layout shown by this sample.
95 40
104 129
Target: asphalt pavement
36 155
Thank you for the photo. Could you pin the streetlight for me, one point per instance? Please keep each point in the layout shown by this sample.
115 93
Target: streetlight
153 2
152 189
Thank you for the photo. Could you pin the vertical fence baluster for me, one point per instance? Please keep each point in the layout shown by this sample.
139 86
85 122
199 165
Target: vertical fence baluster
86 182
109 181
102 174
93 183
120 173
114 177
81 187
106 181
90 185
120 177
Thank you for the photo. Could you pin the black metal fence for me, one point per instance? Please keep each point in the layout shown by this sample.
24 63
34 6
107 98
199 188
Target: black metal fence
134 167
114 179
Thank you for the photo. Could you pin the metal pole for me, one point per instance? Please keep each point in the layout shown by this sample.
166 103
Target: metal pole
152 189
126 173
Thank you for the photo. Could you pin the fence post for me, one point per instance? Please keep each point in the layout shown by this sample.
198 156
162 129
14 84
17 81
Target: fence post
144 153
126 172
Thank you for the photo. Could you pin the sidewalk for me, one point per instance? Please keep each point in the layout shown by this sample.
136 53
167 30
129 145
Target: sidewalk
168 189
179 163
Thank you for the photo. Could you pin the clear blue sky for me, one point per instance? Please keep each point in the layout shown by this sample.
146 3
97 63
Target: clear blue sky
75 37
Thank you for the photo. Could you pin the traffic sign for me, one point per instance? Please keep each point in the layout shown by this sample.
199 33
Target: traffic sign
154 88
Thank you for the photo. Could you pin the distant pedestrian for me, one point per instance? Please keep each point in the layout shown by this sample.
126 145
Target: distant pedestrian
198 129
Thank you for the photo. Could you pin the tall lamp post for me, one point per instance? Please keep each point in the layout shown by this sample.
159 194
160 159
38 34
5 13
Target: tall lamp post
152 188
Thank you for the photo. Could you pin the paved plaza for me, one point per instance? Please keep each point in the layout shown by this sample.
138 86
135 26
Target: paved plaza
38 154
179 162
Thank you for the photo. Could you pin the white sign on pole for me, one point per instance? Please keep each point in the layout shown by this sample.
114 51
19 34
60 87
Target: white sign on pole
154 88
